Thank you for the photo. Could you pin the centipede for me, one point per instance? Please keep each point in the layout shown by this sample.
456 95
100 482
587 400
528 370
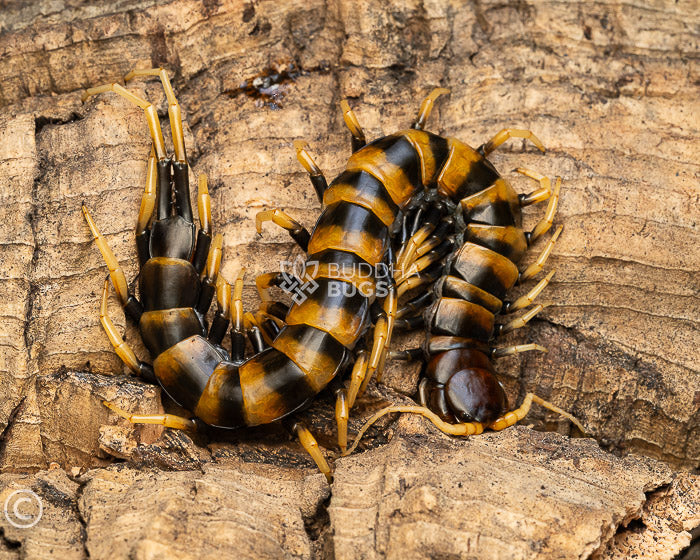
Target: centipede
431 210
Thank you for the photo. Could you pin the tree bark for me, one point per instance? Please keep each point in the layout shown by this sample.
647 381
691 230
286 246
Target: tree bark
611 90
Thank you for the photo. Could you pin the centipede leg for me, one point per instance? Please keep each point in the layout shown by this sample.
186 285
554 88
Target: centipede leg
121 348
505 134
296 231
357 377
204 235
427 260
358 135
315 174
174 112
210 274
148 108
148 202
538 265
309 443
237 330
222 317
546 222
415 305
426 107
255 333
518 349
342 413
525 300
519 322
539 195
132 306
519 413
167 420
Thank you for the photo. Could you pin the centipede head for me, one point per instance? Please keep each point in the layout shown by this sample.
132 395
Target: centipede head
469 388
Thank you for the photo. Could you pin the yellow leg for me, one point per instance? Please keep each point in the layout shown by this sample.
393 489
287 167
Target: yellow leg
410 283
120 346
523 301
295 229
264 282
148 200
342 413
519 413
174 112
223 297
309 443
511 350
538 265
546 222
357 377
116 273
167 420
315 174
520 321
507 133
418 265
540 194
149 110
204 204
467 428
237 319
408 251
213 259
358 135
427 106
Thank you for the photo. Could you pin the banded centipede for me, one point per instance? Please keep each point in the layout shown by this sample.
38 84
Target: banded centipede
372 214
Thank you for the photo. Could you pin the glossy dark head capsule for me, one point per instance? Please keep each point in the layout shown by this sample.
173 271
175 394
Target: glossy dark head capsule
471 390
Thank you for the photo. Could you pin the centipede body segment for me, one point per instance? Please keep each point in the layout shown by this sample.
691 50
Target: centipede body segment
430 209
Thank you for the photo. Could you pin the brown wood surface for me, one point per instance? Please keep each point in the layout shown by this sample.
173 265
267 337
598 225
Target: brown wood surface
611 88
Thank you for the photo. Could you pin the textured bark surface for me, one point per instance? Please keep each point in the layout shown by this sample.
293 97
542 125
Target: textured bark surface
611 90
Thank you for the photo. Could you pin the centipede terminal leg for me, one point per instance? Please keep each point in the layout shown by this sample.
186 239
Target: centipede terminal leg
174 112
148 108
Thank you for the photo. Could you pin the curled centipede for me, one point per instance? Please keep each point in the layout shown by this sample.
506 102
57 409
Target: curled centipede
431 210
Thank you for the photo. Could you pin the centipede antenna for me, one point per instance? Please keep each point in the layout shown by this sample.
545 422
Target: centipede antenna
465 429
